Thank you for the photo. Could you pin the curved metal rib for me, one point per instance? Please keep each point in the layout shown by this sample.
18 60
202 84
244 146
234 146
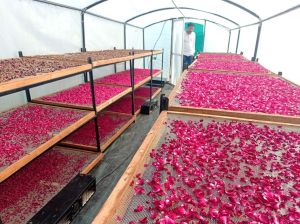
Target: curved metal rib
186 8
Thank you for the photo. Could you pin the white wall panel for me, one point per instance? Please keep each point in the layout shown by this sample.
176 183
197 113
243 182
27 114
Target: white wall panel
216 38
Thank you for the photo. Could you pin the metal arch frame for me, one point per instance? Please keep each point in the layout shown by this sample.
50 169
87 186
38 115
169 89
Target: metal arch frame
178 8
227 1
184 8
243 8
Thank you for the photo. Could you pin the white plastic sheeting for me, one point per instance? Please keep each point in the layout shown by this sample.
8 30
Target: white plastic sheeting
279 45
164 41
134 39
36 28
123 10
177 48
216 38
233 41
247 41
47 29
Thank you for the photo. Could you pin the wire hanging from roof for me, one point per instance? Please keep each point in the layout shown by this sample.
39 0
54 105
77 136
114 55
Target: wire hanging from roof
178 8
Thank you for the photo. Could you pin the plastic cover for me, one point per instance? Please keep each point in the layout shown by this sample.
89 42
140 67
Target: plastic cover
123 10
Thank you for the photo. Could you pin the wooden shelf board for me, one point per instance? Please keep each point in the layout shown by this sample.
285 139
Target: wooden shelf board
41 77
98 63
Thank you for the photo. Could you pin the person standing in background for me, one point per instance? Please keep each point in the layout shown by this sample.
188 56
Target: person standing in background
189 42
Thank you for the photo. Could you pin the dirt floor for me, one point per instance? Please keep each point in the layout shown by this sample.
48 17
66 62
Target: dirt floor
116 159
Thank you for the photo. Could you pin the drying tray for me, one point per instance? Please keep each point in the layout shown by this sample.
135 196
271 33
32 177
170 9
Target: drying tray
30 139
119 206
72 95
174 105
192 67
111 126
127 72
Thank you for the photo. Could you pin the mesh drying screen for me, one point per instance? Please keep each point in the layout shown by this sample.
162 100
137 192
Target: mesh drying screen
28 190
222 171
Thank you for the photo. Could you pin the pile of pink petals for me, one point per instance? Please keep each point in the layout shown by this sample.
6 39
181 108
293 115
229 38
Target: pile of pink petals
123 78
27 127
28 190
108 125
238 66
144 92
81 95
124 105
220 172
251 93
220 56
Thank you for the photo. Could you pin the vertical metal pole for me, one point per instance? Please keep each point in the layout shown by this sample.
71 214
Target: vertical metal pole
94 106
125 43
83 31
28 96
171 51
85 77
115 65
27 90
162 68
204 34
238 41
229 41
131 64
151 74
257 42
144 60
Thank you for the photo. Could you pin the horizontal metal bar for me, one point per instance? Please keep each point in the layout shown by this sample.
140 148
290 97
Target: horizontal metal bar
112 20
271 17
225 27
58 4
87 12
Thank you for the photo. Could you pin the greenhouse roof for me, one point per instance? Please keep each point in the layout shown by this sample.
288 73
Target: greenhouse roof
229 13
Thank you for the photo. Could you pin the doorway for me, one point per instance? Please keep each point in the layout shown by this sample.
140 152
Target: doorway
199 31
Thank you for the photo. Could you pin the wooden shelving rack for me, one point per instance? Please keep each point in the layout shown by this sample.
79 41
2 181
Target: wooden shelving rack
86 66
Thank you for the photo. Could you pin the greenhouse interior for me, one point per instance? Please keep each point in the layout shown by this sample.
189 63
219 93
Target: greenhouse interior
162 111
